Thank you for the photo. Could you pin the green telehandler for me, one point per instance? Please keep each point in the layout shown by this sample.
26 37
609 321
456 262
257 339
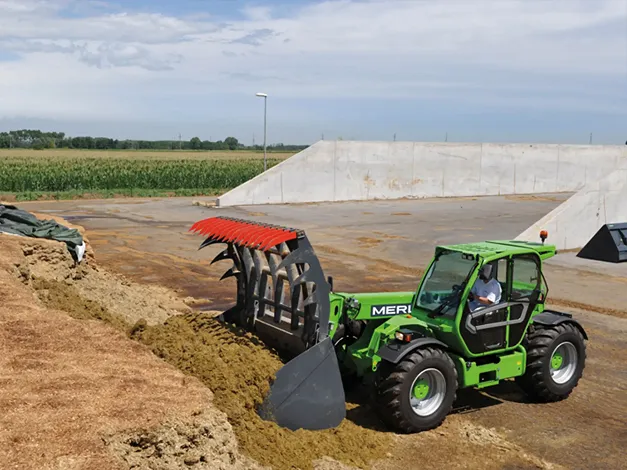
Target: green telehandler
478 317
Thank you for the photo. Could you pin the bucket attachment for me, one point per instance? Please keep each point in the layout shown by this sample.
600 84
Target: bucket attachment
308 391
608 244
283 296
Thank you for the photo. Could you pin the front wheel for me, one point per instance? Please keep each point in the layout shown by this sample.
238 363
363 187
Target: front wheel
417 393
556 358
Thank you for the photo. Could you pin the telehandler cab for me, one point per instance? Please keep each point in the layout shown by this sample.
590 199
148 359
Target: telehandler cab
415 349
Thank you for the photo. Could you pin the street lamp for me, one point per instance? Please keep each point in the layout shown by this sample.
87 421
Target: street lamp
265 106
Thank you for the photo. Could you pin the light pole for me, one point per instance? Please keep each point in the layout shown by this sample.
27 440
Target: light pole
265 106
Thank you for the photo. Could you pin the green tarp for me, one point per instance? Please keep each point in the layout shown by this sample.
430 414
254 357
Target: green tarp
20 222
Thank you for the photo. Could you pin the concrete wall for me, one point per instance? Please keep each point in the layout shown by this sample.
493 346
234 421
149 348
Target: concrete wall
349 170
574 222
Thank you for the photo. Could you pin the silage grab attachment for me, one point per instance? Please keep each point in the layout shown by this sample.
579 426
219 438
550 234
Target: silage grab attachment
283 296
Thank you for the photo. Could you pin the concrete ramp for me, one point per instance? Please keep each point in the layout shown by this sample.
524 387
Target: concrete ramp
574 223
352 171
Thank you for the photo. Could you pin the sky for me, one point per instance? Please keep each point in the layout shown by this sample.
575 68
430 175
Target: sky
414 70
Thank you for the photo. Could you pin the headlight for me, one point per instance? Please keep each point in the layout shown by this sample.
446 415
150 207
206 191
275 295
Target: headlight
404 336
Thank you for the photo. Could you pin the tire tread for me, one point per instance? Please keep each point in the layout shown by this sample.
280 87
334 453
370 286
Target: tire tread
389 391
537 344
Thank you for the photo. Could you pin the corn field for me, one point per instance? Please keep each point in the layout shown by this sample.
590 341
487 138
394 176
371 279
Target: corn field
71 154
19 175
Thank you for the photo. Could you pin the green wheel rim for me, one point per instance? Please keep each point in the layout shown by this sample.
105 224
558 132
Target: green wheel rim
563 362
427 392
421 389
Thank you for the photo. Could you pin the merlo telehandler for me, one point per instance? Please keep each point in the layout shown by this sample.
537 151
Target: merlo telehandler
414 350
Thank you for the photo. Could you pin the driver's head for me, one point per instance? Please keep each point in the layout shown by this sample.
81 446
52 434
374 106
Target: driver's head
486 273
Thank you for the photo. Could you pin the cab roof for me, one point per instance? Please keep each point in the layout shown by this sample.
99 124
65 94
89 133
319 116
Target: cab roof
488 249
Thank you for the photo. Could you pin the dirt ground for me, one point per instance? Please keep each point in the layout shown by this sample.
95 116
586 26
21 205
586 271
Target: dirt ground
148 253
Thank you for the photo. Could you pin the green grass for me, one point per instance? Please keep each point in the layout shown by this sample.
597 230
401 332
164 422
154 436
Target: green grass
37 178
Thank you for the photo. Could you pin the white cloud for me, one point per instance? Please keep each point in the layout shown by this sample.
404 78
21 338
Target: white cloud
58 92
401 49
257 13
31 7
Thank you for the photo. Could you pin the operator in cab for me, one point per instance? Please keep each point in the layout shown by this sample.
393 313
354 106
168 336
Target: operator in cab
486 291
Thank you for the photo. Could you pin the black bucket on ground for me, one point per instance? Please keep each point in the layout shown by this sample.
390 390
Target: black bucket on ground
308 392
608 244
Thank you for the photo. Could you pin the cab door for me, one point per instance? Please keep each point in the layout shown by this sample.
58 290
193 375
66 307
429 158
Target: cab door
485 330
494 331
526 291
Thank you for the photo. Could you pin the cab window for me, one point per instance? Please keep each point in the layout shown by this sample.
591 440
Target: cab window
526 276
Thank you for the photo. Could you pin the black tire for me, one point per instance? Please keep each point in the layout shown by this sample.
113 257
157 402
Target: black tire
541 342
393 389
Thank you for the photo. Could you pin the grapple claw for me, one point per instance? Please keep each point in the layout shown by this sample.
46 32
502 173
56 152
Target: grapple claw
230 273
277 273
223 255
207 242
283 296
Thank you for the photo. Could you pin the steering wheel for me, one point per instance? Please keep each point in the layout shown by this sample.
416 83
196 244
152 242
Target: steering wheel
447 302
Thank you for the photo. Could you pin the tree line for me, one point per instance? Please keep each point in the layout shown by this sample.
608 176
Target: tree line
36 139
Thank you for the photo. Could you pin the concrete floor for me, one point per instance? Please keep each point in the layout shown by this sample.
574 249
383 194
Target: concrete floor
415 226
364 236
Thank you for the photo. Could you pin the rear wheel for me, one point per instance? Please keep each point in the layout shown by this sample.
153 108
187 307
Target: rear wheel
556 358
417 393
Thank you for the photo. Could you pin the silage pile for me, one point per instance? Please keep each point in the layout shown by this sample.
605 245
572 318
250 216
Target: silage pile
238 368
232 364
50 261
77 393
